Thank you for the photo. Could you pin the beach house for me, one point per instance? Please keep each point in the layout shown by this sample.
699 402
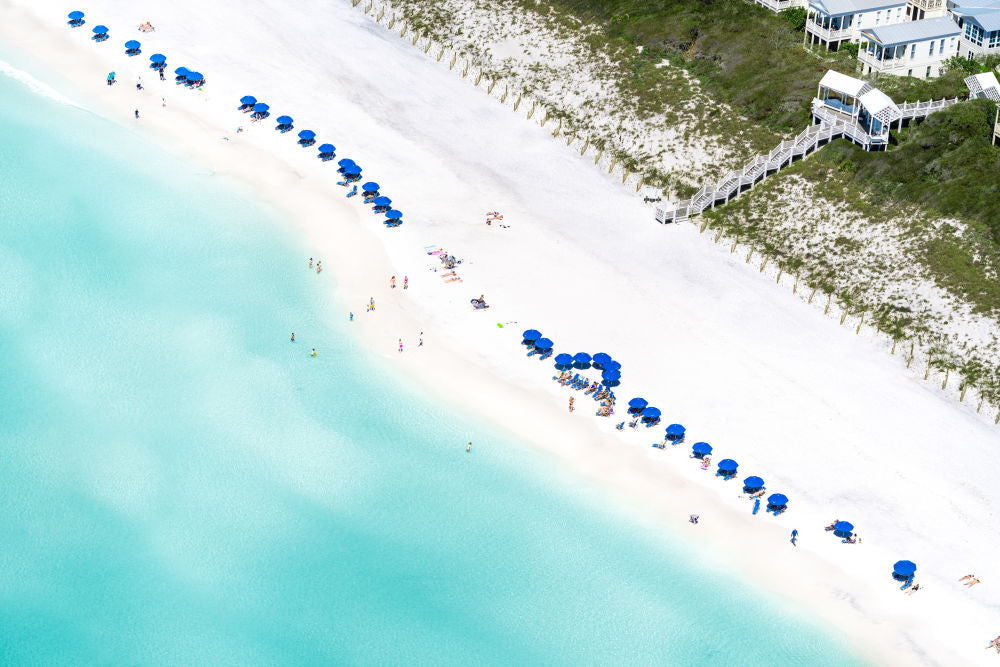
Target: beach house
834 22
918 10
912 48
780 5
979 21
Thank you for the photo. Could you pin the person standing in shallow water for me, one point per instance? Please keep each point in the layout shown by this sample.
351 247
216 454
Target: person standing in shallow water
468 448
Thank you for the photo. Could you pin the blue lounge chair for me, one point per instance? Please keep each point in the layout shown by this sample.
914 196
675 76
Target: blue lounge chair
545 355
353 192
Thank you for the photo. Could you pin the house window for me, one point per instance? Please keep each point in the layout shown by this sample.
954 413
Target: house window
931 52
913 51
941 47
928 75
909 72
878 15
994 39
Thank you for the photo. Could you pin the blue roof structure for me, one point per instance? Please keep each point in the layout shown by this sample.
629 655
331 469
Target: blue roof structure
541 343
370 186
904 568
284 120
778 499
327 148
912 31
248 99
701 448
675 430
638 403
728 465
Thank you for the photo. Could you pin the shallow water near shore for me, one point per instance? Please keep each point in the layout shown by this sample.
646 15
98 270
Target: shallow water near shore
181 483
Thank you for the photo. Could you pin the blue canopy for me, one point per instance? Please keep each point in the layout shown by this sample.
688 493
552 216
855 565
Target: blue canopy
327 148
904 568
611 376
76 16
541 343
100 29
611 366
701 448
382 201
352 169
158 58
194 76
581 358
675 430
638 403
346 162
132 44
370 186
249 100
396 215
564 359
181 71
778 499
843 527
728 465
284 120
260 107
651 413
602 358
531 334
307 135
753 482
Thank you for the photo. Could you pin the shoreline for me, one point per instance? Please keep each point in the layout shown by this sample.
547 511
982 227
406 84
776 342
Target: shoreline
525 409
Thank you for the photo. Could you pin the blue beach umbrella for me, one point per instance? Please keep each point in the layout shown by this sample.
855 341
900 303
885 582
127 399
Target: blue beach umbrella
76 16
541 343
611 366
753 482
181 71
581 358
346 162
651 413
326 149
904 568
531 335
194 77
370 186
352 170
100 29
601 358
396 215
382 202
284 120
675 430
638 403
564 359
843 529
611 376
777 500
132 44
728 465
260 107
248 100
307 135
701 448
157 58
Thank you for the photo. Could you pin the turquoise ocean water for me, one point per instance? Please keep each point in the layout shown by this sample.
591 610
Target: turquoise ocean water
181 484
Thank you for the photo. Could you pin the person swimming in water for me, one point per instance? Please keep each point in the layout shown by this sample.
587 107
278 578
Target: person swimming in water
468 448
293 336
314 352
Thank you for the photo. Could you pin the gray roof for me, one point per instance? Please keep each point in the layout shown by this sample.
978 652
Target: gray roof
841 7
912 31
988 18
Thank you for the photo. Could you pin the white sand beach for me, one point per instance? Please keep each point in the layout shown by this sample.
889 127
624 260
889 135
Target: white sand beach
825 416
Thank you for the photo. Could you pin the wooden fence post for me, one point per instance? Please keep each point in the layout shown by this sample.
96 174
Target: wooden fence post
586 145
599 154
927 372
614 161
829 298
429 44
489 88
961 395
795 287
861 323
381 13
479 77
532 112
506 89
642 181
440 54
749 254
764 263
944 385
454 59
545 118
778 279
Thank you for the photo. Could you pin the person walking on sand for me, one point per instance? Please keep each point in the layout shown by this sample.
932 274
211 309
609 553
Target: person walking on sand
138 84
421 340
137 114
319 266
571 401
795 537
392 282
111 78
972 582
162 77
400 345
406 282
371 304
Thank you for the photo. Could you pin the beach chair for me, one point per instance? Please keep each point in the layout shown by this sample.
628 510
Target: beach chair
533 352
353 192
546 355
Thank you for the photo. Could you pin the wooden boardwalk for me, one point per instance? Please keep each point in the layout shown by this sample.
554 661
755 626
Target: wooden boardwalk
830 125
